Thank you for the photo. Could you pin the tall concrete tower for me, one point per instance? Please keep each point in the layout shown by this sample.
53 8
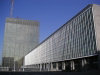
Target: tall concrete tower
20 37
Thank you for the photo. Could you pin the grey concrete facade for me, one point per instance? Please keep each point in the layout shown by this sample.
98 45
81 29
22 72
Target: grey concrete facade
73 47
20 37
96 16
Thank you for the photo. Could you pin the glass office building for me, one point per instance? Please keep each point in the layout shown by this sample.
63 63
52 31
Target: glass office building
73 47
20 37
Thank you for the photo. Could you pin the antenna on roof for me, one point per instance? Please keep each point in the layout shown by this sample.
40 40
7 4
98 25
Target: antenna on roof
11 9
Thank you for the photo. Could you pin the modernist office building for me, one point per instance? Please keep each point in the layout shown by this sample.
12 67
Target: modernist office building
19 38
73 47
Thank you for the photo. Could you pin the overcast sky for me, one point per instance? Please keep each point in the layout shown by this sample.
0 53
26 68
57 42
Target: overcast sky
50 13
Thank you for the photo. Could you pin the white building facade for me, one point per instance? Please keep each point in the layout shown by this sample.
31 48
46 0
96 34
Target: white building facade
73 47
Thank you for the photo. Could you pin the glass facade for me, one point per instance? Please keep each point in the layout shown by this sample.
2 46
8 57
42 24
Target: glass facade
20 37
75 39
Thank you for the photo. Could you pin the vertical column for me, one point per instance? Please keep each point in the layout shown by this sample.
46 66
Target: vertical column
48 66
63 65
84 62
51 67
44 67
72 65
57 67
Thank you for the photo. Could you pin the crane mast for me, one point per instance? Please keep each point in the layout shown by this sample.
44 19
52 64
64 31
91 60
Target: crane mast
11 9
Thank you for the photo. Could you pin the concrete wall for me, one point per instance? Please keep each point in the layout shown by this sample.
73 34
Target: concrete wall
96 17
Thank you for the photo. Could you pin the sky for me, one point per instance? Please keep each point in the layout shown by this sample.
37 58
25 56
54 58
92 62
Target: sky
51 14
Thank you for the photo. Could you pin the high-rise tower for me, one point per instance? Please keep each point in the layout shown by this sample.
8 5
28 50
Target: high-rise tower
20 37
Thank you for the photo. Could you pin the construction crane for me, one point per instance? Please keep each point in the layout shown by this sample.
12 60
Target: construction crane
11 9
